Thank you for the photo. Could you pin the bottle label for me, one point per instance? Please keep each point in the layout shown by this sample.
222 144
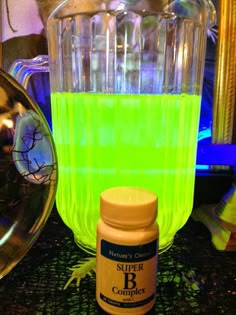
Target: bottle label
129 274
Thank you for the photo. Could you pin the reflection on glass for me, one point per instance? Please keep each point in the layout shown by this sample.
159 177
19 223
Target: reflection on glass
28 172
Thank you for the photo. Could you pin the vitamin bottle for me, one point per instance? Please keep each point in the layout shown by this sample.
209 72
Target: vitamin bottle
127 247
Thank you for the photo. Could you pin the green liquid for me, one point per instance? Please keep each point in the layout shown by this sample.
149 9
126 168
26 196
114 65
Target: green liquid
106 140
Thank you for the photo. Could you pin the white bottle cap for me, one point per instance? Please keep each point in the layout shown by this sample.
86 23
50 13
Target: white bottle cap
128 206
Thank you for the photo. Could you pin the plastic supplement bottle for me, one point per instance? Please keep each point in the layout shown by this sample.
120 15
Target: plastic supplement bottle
127 248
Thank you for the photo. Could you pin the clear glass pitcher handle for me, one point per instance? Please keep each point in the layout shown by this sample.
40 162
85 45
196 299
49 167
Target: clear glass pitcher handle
23 69
212 16
25 72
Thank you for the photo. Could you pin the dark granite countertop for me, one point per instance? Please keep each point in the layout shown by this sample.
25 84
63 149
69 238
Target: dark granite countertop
193 277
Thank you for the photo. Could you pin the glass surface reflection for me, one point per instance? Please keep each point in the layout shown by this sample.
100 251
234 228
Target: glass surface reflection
28 172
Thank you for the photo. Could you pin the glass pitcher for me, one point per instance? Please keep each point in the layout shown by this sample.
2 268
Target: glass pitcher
126 81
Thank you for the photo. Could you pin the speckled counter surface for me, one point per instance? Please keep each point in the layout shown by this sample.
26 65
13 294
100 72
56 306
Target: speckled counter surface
193 278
